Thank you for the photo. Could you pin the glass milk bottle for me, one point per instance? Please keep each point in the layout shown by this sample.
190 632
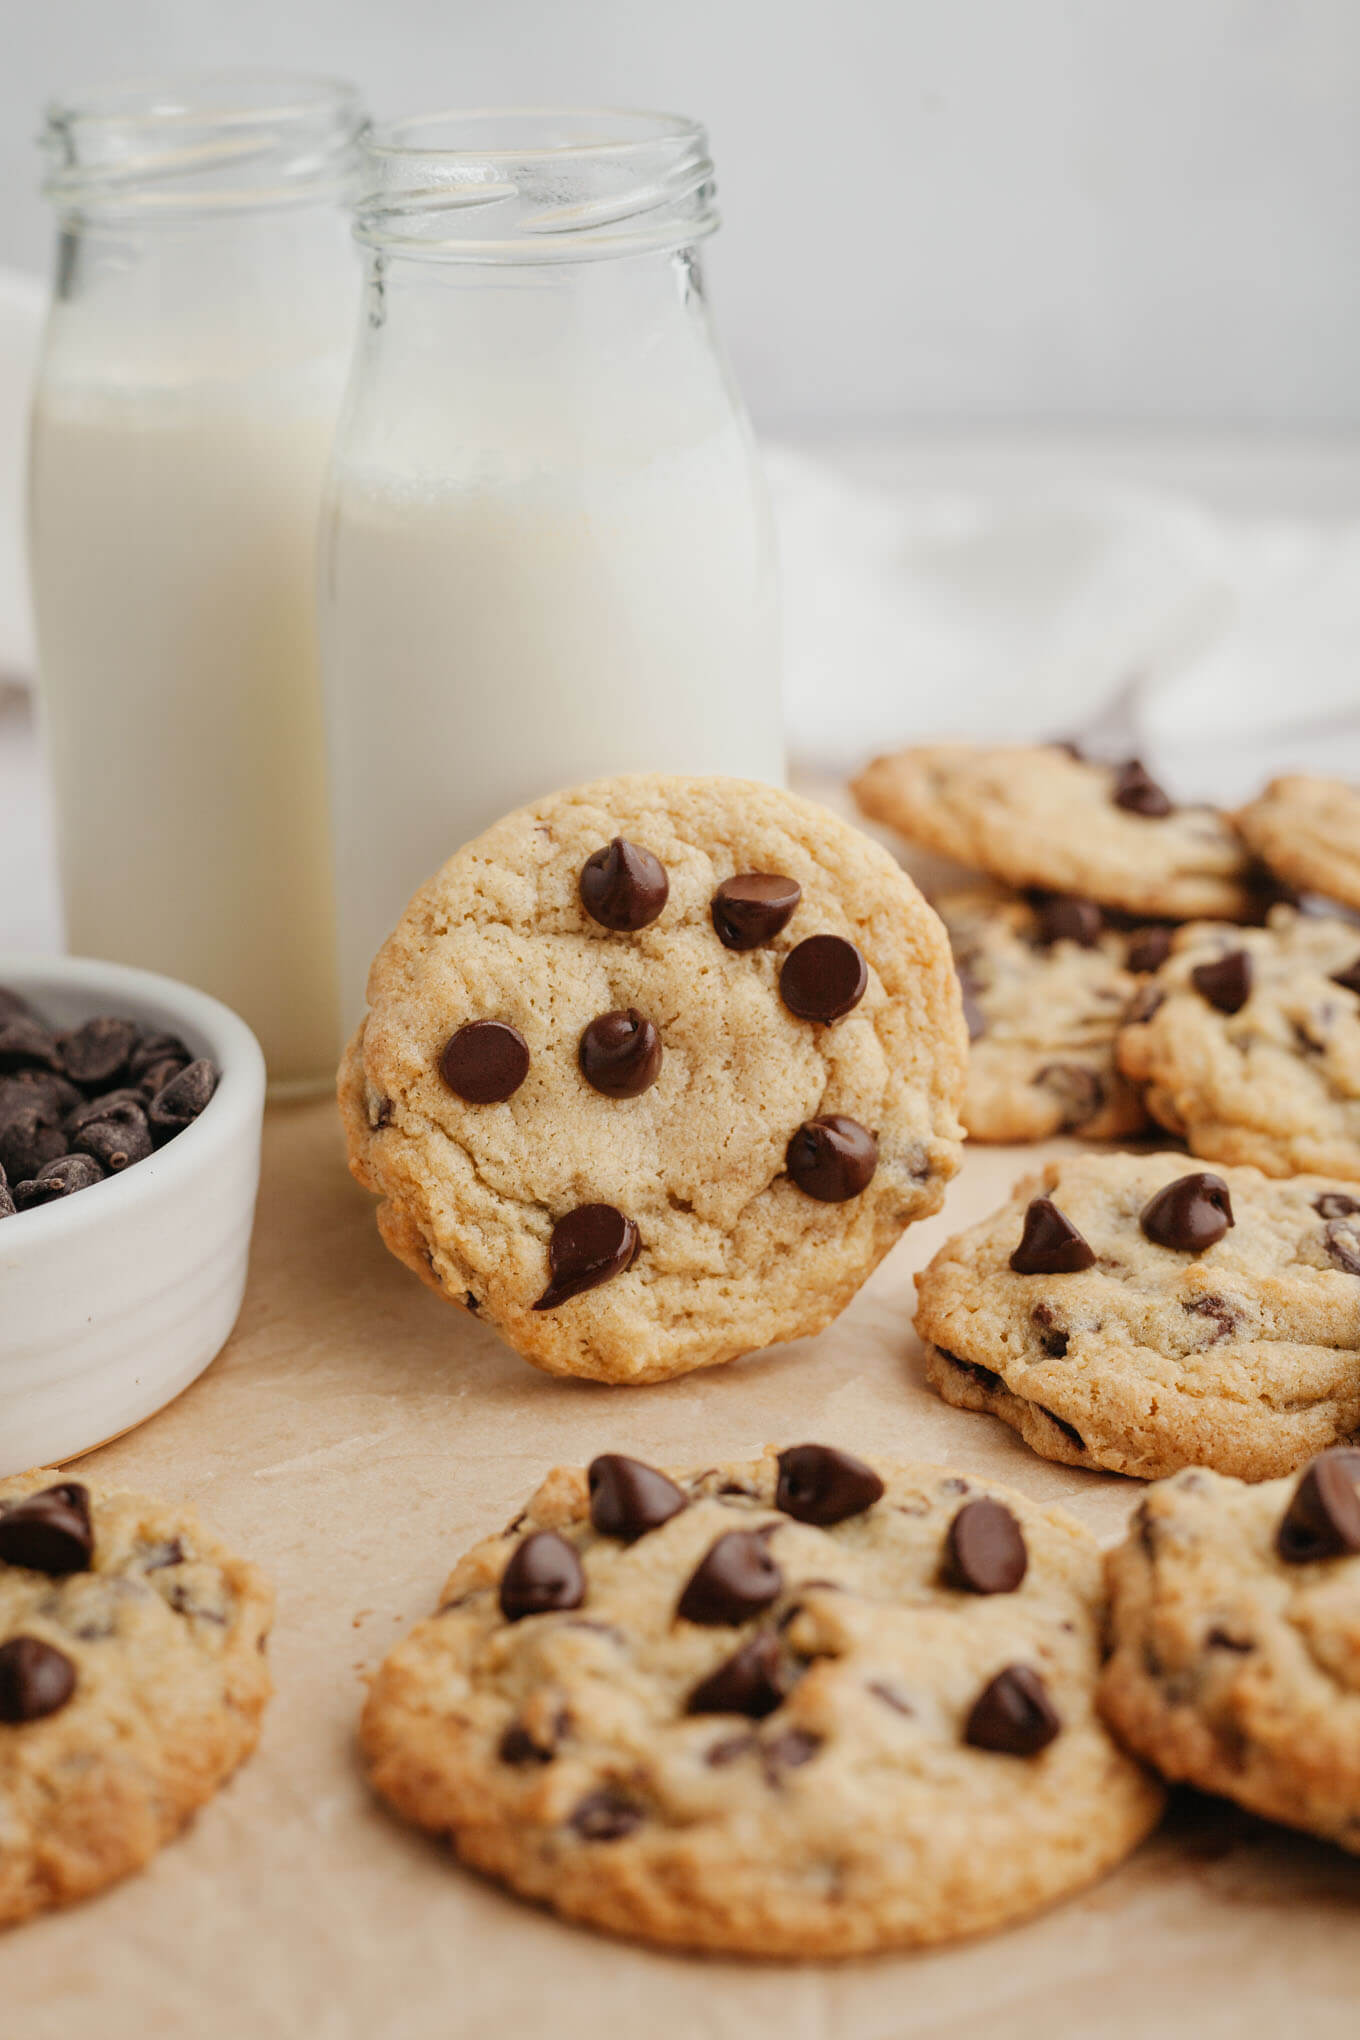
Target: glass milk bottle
547 552
195 358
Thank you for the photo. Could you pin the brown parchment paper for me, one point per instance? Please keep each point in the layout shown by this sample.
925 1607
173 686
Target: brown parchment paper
354 1437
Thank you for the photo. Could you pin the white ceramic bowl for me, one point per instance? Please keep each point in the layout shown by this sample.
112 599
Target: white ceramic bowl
114 1300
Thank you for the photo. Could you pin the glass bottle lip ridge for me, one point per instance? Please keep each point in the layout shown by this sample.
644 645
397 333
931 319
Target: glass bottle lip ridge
229 140
541 184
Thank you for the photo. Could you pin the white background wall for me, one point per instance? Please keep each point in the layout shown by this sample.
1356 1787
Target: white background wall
1028 211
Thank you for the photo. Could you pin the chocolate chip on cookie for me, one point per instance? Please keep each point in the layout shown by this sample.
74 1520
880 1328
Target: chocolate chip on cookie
832 1158
734 1580
985 1549
1066 917
1014 1714
1148 949
544 1575
605 1816
820 1484
485 1062
1350 977
1225 982
754 1681
48 1531
753 908
823 979
1138 792
629 1498
1050 1244
36 1679
588 1246
624 887
620 1054
1323 1516
1189 1215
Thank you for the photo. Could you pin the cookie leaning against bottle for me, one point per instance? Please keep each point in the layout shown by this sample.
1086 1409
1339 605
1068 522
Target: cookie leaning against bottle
132 1681
800 1706
655 1072
1135 1312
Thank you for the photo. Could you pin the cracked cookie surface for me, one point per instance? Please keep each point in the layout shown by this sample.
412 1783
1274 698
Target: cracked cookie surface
844 1743
739 1240
1251 1044
1043 1016
1244 1356
132 1681
1307 830
1235 1668
1033 815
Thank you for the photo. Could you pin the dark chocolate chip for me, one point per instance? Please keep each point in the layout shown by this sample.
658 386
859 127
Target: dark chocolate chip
823 979
30 1137
27 1045
22 1088
519 1746
1146 1001
734 1580
787 1752
985 1549
1219 1310
831 1158
1148 949
95 1054
1323 1517
620 1054
127 1108
1349 977
605 1816
753 1682
1336 1204
49 1531
628 1498
983 1376
1069 1431
589 1245
1226 982
35 1679
115 1143
158 1076
754 907
1053 1334
1135 790
1063 917
1189 1215
485 1062
1079 1091
623 887
1013 1713
180 1103
1342 1239
543 1576
151 1050
1050 1244
820 1484
61 1178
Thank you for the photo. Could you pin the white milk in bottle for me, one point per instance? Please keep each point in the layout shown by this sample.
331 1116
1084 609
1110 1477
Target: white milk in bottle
194 364
547 552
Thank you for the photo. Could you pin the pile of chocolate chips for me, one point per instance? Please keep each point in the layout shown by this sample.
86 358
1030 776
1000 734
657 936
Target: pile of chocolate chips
79 1105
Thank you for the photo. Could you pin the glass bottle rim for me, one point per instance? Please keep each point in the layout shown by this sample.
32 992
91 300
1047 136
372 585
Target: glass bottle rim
530 184
168 142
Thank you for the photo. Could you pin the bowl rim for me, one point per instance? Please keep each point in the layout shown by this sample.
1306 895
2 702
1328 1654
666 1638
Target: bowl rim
239 1096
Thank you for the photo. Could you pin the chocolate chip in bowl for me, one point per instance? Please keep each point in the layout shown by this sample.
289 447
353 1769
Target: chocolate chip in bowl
114 1302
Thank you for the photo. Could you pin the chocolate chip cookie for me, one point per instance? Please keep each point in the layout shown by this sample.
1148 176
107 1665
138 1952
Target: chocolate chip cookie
132 1682
1235 1620
799 1706
1046 983
1248 1040
655 1072
1036 815
1307 830
1140 1313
